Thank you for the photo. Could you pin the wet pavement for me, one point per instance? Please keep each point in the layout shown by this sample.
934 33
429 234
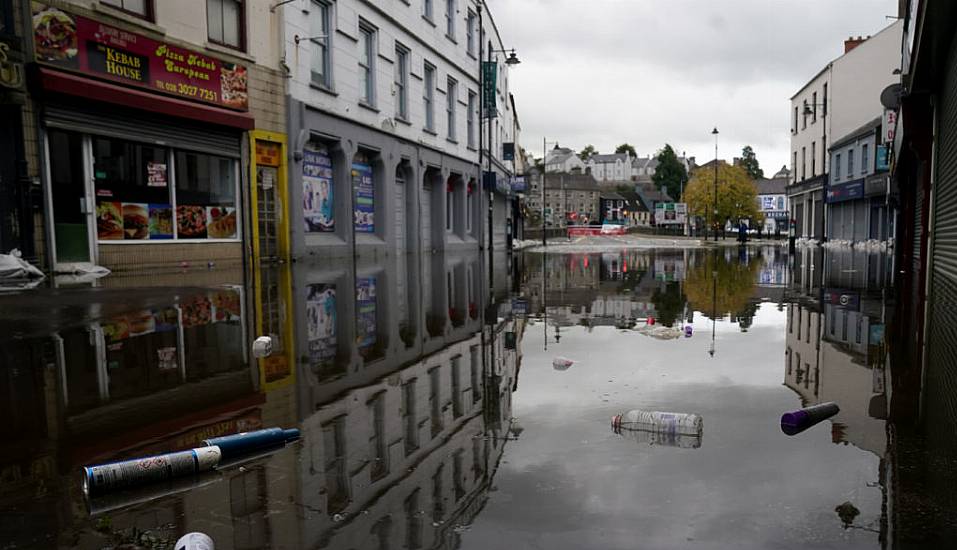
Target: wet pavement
433 414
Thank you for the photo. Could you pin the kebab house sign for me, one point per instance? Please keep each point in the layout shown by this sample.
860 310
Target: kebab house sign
76 43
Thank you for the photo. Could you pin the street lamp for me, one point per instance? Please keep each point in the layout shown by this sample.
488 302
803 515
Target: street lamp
545 144
715 219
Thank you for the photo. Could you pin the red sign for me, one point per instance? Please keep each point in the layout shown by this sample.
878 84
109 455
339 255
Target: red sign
75 43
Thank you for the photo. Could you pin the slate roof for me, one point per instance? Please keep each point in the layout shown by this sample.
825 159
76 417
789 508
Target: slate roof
578 182
604 159
772 186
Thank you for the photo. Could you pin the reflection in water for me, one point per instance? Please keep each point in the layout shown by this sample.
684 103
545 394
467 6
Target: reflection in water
400 372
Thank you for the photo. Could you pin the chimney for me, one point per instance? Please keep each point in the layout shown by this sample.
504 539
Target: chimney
852 42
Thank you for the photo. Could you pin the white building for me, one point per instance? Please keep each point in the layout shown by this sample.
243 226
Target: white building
384 125
614 167
773 202
564 160
844 95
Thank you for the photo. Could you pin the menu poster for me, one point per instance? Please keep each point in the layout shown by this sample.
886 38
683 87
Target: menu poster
167 319
220 222
161 221
87 46
191 222
136 225
317 190
142 322
197 311
156 174
117 329
365 311
363 188
167 358
225 305
109 221
321 322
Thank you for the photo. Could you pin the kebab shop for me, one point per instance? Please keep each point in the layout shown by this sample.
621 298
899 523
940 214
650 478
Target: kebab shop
141 146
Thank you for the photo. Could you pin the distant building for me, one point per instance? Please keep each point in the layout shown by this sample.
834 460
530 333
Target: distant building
563 159
614 167
773 201
857 209
613 207
570 199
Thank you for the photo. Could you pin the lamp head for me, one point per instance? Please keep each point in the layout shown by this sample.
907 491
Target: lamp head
512 59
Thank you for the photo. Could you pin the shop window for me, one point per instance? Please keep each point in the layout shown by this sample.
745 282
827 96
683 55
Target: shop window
205 196
225 20
363 188
131 183
318 189
139 8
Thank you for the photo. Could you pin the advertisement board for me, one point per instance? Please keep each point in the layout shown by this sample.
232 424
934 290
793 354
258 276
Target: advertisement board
366 329
79 44
671 213
321 323
317 190
364 190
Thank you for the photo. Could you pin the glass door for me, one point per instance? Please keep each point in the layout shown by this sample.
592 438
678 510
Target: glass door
72 204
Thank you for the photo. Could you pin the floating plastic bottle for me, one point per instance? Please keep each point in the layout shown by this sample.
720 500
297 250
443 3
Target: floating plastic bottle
150 469
562 363
660 428
795 422
245 443
195 541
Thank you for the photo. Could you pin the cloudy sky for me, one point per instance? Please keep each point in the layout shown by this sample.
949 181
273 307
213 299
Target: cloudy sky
648 72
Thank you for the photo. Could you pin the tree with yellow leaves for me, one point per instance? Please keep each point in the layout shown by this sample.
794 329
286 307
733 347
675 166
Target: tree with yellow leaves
737 196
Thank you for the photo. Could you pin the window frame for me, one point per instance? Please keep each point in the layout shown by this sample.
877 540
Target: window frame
470 43
864 154
368 32
428 10
837 167
429 72
850 163
401 81
324 9
450 19
241 31
451 102
149 15
470 119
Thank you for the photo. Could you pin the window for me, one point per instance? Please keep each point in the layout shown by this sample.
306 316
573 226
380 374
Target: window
850 163
470 119
367 64
468 207
451 95
470 33
794 165
864 159
804 116
409 420
803 163
449 211
813 107
225 22
320 37
205 196
837 167
141 8
401 82
428 97
450 19
824 100
427 9
813 158
794 126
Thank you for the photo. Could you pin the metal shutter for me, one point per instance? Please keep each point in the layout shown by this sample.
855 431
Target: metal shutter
145 128
939 406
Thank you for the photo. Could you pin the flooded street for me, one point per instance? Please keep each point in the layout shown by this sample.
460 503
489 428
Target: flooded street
438 411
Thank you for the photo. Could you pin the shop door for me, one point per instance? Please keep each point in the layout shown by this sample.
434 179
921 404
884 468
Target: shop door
70 196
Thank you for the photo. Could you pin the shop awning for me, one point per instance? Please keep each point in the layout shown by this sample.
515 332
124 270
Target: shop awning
65 83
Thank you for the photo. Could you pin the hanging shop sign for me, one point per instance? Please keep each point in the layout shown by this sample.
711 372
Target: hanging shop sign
489 85
75 43
508 151
519 184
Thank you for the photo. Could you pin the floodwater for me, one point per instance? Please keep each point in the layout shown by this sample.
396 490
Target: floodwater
433 413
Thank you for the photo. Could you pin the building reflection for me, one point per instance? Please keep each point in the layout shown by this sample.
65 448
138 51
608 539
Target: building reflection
398 372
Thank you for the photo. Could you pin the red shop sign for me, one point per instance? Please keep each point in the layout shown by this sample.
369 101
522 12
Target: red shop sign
76 43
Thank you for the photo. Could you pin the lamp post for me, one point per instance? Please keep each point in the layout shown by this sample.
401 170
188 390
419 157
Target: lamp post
715 218
545 143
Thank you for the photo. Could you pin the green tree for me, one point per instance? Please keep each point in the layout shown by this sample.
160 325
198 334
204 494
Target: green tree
750 162
671 173
587 153
736 196
716 286
626 148
669 303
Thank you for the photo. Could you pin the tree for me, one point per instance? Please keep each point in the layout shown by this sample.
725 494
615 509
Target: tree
716 286
750 162
670 173
626 148
737 197
587 153
539 164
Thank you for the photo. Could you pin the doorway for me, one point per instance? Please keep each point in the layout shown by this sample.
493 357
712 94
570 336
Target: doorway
69 196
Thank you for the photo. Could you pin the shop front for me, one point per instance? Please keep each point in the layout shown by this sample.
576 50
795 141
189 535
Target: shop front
141 147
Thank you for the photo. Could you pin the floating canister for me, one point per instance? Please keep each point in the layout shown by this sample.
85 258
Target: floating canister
795 422
244 443
141 471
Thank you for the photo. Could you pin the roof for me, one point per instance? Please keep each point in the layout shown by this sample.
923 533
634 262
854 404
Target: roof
859 132
609 158
772 186
648 192
579 182
560 157
611 195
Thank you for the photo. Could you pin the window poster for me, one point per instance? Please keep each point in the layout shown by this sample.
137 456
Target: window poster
161 221
191 222
136 221
109 221
220 222
321 323
156 174
363 188
317 190
365 311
